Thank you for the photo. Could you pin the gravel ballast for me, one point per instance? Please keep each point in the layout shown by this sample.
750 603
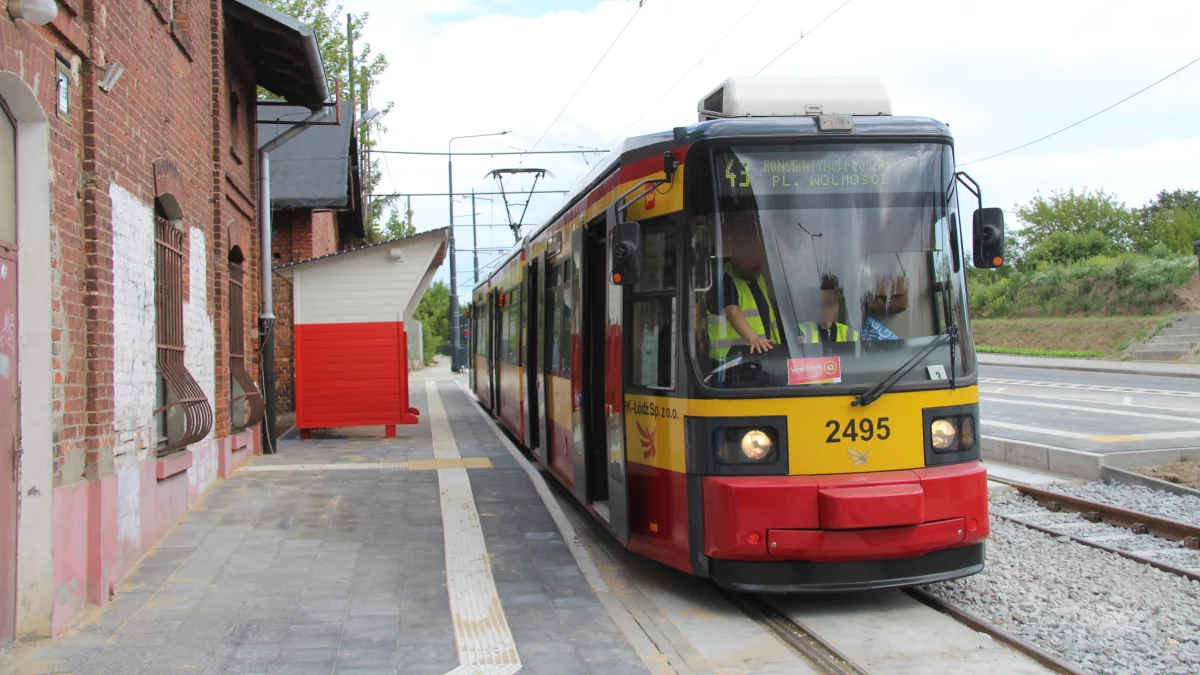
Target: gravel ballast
1182 508
1102 612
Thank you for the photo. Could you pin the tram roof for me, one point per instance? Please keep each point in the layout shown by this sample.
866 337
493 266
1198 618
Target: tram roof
730 129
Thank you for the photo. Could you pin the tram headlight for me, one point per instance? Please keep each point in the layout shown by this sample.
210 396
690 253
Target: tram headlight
952 434
756 445
944 434
745 445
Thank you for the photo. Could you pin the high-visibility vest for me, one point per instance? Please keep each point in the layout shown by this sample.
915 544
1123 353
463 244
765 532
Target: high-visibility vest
721 334
812 334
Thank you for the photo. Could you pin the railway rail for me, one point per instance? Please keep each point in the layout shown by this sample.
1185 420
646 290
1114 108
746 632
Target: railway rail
1097 512
828 659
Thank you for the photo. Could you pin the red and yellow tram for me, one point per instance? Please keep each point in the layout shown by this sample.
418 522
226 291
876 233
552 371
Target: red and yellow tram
744 344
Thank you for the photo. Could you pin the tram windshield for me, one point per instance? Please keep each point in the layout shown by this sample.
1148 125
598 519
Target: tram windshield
832 264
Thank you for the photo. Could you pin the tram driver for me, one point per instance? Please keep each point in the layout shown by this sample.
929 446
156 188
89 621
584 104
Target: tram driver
740 309
829 329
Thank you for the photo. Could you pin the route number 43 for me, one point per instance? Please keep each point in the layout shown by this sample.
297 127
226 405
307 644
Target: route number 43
854 430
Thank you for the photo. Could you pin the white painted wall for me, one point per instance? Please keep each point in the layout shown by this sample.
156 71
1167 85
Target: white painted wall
134 351
365 286
199 338
35 566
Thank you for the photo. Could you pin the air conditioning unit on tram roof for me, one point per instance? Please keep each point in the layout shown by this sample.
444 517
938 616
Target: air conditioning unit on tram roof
795 97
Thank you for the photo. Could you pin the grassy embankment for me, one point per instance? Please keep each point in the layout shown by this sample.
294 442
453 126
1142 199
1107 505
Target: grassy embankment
1093 309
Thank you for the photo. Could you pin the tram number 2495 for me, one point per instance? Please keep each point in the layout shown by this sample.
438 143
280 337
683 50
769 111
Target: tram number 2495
864 429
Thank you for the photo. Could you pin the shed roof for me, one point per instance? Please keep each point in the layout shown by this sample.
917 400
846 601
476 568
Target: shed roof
314 169
443 232
285 54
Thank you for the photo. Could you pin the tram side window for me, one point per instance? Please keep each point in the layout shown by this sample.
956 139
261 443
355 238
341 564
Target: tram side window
481 330
654 308
560 310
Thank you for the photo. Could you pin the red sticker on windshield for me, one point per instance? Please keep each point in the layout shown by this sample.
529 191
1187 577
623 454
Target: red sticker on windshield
825 370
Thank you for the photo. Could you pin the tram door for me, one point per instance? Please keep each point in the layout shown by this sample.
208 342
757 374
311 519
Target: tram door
603 400
534 301
493 351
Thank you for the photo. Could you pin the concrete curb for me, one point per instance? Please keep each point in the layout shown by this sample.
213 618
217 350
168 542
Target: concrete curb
1076 463
1114 475
1183 370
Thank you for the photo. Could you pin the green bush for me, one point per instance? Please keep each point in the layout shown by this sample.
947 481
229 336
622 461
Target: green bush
1124 284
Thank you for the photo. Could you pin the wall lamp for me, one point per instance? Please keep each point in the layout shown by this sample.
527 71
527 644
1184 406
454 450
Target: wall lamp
111 75
36 12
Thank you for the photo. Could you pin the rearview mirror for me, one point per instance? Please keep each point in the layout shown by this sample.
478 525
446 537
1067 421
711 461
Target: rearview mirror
989 238
626 253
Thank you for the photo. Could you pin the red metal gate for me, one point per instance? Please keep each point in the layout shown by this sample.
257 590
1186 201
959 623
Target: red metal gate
10 442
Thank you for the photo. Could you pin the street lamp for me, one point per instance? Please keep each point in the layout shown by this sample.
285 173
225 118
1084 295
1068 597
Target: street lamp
455 357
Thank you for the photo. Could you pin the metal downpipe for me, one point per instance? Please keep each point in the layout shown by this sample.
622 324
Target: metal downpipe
266 320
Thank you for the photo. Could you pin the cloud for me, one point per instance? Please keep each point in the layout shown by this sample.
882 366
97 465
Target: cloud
999 73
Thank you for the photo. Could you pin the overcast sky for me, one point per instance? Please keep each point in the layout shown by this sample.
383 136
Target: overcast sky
999 73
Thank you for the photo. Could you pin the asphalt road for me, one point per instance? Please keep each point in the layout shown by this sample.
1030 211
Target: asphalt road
1096 412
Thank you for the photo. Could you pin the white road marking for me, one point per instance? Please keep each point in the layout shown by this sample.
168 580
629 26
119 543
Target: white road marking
481 633
1090 387
1035 430
1089 400
1104 411
1128 400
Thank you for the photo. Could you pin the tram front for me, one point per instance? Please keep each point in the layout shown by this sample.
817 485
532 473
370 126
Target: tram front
833 416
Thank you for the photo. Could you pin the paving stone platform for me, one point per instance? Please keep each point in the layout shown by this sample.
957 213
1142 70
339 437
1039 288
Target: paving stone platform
330 557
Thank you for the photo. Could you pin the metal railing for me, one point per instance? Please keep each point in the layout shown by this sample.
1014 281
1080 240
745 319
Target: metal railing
246 404
189 416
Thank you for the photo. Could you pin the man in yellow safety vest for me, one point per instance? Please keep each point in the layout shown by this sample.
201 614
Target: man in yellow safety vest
828 329
740 309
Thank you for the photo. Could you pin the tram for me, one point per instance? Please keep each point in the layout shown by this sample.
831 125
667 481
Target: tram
744 345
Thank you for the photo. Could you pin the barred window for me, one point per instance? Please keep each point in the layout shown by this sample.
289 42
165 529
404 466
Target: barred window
245 401
184 415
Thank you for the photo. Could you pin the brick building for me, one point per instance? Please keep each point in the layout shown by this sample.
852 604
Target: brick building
128 280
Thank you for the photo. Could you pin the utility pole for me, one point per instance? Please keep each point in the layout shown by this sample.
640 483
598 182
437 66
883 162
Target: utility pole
475 235
456 359
350 45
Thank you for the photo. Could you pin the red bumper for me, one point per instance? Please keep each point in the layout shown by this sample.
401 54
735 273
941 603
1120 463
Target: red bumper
893 514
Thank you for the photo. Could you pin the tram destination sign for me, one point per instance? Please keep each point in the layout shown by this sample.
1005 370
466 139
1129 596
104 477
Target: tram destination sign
766 171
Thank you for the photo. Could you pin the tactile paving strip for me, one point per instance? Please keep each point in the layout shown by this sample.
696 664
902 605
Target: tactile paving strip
481 633
337 466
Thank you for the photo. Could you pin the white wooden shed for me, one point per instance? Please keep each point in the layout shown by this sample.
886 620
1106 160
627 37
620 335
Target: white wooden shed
351 349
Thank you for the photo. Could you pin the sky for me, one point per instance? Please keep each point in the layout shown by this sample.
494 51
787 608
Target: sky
999 73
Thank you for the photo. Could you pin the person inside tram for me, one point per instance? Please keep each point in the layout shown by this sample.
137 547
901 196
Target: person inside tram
828 329
740 309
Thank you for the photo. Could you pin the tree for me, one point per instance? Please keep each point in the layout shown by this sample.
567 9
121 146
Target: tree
1175 230
329 27
1064 248
1079 213
395 228
1172 220
434 315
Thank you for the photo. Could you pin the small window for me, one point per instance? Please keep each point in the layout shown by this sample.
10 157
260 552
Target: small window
62 92
653 343
184 415
245 400
654 332
658 260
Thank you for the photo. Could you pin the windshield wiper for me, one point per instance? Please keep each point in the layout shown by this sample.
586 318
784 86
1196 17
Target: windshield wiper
871 395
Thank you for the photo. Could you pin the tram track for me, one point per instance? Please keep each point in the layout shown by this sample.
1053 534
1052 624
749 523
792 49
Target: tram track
1134 522
827 658
818 651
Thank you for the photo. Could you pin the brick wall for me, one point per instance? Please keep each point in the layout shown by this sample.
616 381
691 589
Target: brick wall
298 234
171 104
